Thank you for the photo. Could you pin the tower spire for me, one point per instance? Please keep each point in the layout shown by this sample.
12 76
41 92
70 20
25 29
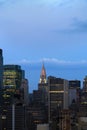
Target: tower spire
43 75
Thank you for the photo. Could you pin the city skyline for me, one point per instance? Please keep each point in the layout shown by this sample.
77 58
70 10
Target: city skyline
53 31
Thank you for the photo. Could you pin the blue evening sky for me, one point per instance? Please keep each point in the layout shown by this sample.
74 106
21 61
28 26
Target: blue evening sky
53 31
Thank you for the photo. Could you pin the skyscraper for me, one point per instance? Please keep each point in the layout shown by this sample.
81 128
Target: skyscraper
74 84
12 116
43 75
43 85
58 95
24 86
1 69
85 84
83 102
74 90
12 109
12 76
38 113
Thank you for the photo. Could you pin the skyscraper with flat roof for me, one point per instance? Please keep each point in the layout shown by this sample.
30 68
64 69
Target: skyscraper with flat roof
58 95
74 90
1 69
12 76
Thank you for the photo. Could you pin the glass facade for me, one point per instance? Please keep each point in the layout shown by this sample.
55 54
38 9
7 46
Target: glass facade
12 76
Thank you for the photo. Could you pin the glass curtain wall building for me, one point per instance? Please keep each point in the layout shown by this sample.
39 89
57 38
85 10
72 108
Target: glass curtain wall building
12 76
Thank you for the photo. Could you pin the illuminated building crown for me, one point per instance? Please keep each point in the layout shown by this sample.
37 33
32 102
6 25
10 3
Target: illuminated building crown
43 75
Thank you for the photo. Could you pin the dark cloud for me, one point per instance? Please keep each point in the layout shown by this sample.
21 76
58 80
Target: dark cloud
77 26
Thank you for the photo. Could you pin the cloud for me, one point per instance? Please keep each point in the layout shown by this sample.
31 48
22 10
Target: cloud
76 26
26 61
53 60
79 25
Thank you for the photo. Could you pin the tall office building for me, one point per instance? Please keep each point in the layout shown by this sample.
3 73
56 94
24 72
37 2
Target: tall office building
83 103
74 90
38 109
12 76
65 123
12 110
72 96
13 118
58 95
74 84
1 69
25 87
43 85
85 84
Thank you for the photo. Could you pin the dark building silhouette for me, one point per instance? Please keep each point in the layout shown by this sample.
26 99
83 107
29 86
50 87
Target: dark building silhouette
66 121
1 68
8 119
74 90
85 84
57 97
74 84
43 86
12 111
25 88
83 102
38 107
57 104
